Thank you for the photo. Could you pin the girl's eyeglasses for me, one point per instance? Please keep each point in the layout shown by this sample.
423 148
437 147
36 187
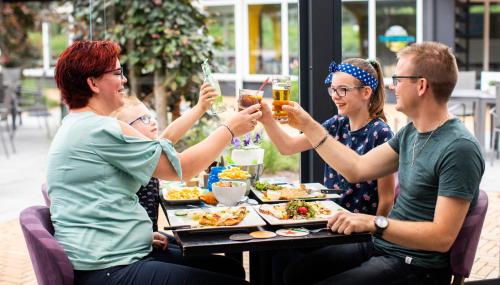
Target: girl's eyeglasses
146 119
342 91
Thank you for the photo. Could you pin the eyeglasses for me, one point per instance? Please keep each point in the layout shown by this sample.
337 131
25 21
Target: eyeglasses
342 91
146 119
117 72
395 78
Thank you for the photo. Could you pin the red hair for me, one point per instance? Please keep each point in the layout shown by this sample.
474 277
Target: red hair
81 60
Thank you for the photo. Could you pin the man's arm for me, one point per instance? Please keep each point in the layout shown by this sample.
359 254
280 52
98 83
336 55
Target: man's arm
437 235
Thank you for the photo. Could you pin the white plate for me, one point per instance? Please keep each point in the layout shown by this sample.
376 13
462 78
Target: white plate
272 220
166 187
314 195
251 220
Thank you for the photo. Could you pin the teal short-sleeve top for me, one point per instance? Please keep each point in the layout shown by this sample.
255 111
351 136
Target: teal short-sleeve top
93 174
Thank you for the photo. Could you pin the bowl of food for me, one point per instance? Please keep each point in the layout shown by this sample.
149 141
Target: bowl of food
229 193
236 174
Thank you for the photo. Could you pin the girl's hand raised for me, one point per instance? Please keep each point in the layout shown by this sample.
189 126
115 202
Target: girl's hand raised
297 117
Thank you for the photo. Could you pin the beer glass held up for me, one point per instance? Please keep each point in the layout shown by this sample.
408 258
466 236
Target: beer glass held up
281 96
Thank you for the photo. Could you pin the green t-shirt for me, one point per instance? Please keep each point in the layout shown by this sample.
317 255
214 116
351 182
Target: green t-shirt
450 164
93 174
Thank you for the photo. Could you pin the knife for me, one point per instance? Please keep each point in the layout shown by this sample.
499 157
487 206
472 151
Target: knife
180 227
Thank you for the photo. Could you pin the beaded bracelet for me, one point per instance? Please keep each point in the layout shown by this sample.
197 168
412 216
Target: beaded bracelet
229 129
322 141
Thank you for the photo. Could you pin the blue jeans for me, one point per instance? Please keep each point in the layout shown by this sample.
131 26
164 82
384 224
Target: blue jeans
168 267
359 263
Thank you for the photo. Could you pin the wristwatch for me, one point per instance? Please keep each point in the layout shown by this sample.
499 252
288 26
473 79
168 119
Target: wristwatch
381 223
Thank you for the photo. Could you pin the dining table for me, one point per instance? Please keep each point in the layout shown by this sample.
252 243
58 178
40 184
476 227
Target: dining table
261 251
481 101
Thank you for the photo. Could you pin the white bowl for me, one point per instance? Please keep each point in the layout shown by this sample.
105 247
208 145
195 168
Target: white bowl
229 196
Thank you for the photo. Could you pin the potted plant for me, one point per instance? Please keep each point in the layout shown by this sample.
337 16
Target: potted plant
492 86
15 49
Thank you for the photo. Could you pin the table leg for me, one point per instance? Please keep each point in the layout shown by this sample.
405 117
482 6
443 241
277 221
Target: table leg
260 268
235 255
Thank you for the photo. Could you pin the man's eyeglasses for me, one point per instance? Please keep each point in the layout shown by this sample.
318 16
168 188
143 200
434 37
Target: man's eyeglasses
146 119
395 78
342 91
117 72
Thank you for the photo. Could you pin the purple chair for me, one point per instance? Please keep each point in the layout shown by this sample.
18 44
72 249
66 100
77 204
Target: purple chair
50 263
464 248
45 194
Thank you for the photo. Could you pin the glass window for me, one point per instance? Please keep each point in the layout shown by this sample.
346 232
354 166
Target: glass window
293 38
396 28
354 29
264 39
221 27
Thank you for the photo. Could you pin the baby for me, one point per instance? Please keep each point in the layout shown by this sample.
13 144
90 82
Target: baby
137 115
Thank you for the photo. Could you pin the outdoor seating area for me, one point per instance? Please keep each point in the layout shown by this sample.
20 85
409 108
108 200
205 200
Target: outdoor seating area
263 142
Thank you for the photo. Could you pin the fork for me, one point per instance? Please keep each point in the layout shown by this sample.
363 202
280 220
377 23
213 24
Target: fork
319 230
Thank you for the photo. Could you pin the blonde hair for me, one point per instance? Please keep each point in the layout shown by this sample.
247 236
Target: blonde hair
377 99
436 63
128 102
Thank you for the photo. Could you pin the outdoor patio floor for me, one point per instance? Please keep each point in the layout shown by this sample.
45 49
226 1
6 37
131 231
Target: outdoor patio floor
22 174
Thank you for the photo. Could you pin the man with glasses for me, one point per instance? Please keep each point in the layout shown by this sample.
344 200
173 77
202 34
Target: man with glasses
440 167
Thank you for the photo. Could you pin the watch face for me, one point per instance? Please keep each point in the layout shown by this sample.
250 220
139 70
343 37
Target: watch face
381 222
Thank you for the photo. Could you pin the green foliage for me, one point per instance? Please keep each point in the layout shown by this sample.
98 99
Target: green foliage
17 20
197 133
166 36
274 161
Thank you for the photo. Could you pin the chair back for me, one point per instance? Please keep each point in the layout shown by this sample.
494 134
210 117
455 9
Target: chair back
45 194
466 80
497 101
464 248
50 262
486 77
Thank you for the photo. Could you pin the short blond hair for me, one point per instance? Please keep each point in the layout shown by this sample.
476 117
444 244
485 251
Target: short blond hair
435 62
128 102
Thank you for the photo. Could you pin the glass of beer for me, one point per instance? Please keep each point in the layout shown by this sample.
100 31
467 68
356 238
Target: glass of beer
247 98
281 96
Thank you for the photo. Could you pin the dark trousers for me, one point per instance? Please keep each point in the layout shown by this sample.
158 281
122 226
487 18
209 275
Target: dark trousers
359 263
168 267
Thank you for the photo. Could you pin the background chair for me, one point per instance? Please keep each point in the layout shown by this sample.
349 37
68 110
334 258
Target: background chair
5 108
32 102
50 263
466 81
495 125
464 248
487 77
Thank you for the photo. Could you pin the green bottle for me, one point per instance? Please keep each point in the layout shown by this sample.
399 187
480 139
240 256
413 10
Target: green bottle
218 105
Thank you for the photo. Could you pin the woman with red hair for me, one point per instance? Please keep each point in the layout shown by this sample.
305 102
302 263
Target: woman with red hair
95 166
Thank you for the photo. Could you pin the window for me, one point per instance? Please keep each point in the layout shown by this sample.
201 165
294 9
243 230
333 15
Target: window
264 39
221 27
355 29
293 39
396 28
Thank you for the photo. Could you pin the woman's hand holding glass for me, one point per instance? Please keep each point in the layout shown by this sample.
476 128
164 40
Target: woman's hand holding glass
207 97
245 120
267 114
298 118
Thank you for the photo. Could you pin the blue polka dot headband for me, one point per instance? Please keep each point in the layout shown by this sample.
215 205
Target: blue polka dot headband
355 71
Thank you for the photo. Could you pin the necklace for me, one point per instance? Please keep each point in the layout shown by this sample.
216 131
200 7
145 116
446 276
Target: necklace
413 154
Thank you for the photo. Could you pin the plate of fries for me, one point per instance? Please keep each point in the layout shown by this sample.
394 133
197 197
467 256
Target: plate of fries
178 193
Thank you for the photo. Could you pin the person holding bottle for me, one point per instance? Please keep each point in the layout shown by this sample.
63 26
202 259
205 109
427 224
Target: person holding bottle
95 167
